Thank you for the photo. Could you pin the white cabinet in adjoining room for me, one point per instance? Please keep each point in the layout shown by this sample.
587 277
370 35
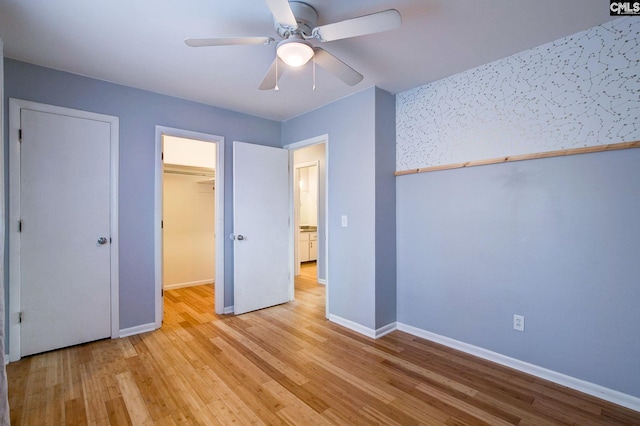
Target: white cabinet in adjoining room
308 246
304 247
313 245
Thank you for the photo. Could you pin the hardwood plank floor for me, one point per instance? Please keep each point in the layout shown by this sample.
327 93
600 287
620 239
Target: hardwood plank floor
283 365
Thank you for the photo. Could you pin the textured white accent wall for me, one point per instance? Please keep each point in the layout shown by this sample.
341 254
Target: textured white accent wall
582 90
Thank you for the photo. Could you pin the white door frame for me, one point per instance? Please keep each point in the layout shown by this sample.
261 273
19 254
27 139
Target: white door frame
293 234
219 215
15 105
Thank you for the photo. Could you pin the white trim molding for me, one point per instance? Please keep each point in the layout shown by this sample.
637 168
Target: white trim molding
354 326
583 386
307 142
138 329
384 330
359 328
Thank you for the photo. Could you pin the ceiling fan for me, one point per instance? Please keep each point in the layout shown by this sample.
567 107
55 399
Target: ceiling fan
295 24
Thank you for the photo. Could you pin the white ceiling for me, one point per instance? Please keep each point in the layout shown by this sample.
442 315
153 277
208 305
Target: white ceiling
139 43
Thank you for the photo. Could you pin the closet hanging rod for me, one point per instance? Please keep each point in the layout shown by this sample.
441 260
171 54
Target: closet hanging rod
181 172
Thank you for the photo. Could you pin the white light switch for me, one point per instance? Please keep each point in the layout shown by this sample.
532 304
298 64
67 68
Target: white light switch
344 220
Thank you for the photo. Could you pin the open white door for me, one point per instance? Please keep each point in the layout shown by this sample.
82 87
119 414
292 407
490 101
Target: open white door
261 227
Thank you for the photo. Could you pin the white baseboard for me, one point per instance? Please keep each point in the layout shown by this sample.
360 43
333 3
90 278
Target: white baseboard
358 328
188 284
228 309
386 329
583 386
138 329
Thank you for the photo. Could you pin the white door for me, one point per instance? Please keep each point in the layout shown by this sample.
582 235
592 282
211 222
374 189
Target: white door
65 233
261 227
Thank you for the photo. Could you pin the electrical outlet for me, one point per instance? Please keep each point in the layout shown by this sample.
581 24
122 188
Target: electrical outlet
518 322
344 221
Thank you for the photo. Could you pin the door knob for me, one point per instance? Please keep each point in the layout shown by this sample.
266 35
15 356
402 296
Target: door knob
240 237
102 240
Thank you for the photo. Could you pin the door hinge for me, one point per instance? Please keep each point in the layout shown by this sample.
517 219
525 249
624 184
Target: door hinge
162 293
162 156
162 224
19 317
20 135
20 225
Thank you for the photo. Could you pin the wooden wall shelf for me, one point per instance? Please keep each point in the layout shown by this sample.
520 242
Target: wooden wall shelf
511 158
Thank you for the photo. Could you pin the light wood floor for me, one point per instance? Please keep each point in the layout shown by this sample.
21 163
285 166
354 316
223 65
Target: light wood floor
282 365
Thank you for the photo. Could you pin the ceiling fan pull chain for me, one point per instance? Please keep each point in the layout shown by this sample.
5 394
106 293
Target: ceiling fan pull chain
276 88
314 72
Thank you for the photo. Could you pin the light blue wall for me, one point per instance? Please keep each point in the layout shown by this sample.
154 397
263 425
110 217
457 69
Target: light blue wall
139 112
349 123
555 240
385 208
354 274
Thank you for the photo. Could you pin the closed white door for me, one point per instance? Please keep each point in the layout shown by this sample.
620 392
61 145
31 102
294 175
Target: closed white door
262 246
64 242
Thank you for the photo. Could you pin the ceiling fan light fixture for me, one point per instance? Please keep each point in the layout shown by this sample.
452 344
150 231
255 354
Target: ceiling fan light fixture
295 52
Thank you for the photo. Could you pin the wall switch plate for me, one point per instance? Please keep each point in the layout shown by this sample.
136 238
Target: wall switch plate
344 220
518 322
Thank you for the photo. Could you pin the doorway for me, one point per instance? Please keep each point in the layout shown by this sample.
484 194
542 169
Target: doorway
189 213
306 209
310 207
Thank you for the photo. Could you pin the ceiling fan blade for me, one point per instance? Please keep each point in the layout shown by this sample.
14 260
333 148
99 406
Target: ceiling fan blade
336 67
270 80
368 24
282 13
227 41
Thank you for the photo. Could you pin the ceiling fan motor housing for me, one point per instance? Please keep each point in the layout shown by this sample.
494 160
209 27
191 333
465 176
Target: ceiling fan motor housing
306 17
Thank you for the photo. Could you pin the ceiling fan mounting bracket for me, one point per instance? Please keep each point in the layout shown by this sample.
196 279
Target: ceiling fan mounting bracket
306 17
